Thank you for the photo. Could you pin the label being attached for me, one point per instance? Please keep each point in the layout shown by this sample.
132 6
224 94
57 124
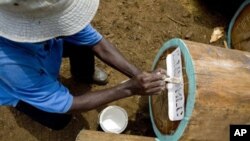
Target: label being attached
175 90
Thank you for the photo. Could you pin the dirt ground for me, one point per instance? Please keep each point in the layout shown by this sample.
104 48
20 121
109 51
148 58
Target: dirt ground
138 29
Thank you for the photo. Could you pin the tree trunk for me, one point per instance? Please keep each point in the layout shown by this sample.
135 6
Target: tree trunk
239 28
217 93
87 135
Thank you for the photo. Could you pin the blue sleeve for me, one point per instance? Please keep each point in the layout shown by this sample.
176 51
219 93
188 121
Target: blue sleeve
36 87
87 37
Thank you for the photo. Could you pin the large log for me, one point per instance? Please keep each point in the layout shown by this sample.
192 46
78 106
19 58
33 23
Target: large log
239 28
87 135
217 93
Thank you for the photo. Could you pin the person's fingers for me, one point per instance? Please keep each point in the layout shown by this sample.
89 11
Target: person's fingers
145 73
143 77
162 71
155 84
153 77
155 90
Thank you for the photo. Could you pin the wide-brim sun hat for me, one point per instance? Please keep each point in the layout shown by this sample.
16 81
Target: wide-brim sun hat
40 20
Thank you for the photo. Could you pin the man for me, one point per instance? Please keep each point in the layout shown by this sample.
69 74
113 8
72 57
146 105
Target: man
34 35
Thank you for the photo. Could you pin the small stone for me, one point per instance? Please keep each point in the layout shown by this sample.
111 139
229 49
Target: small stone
188 35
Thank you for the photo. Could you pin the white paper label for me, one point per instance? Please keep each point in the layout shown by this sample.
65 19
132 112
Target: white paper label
175 91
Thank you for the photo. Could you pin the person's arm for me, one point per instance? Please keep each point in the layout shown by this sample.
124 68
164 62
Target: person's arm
142 84
110 55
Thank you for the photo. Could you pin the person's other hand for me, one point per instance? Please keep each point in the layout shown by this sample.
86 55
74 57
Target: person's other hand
148 83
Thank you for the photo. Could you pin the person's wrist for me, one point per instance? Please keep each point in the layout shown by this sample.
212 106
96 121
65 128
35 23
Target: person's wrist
129 87
136 72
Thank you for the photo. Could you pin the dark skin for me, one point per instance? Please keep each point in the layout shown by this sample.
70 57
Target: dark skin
141 83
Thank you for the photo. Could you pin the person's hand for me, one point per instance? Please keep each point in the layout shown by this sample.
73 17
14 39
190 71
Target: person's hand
148 83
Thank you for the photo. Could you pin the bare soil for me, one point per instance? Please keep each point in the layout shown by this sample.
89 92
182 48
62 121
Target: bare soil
138 29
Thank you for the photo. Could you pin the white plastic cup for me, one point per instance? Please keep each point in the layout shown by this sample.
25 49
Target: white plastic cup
113 119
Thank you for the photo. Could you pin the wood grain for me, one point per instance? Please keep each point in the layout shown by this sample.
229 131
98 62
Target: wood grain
87 135
222 94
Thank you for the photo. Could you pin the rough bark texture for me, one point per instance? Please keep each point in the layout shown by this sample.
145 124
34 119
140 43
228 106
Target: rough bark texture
222 94
241 30
87 135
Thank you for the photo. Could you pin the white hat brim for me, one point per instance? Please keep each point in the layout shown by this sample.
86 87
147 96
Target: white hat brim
68 22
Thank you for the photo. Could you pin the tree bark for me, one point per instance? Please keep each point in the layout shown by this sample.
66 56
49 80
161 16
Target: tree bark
87 135
240 35
221 96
